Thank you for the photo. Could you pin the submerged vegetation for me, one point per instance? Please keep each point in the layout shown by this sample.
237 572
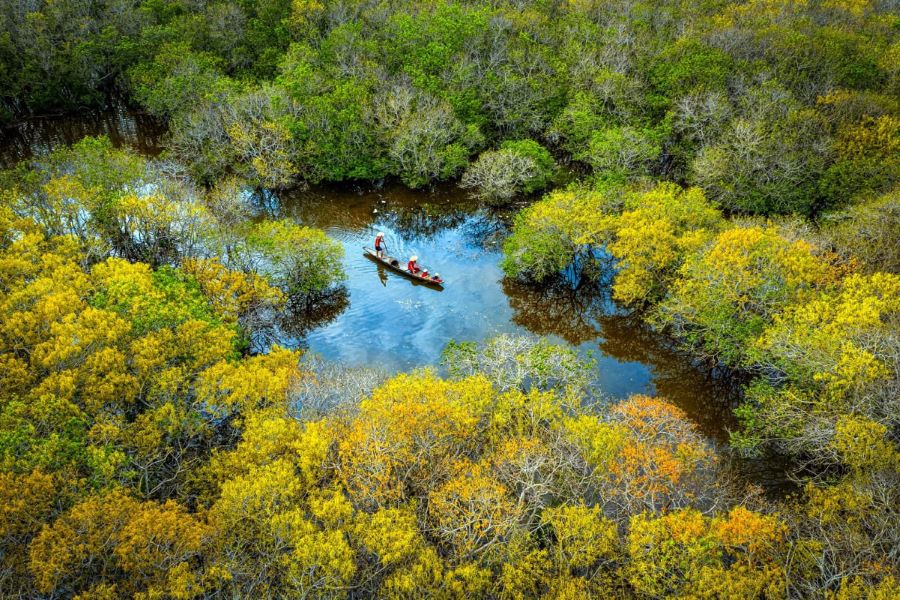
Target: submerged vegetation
734 171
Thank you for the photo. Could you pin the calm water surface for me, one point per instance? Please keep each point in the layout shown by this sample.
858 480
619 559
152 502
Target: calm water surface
123 125
387 320
393 322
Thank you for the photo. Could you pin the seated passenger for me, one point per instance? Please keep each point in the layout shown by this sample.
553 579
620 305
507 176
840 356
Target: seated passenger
411 266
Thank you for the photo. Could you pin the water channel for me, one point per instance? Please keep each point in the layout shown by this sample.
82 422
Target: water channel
389 321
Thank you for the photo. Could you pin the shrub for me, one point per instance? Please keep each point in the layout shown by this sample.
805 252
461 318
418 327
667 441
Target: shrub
518 167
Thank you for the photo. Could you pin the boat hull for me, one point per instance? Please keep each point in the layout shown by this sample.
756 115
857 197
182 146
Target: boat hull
394 265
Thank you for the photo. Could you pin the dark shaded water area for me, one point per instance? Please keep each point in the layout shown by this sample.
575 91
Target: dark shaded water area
385 320
123 125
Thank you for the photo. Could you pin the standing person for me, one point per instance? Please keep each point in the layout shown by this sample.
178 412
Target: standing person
380 246
411 266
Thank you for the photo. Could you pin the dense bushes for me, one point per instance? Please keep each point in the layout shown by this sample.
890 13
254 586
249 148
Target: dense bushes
771 107
144 452
141 454
820 336
817 329
867 230
167 464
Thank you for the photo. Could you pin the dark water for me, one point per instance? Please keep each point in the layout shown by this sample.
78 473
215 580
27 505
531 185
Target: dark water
387 320
124 126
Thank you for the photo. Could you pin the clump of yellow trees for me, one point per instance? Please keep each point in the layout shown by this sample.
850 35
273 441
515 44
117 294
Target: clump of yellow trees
815 324
144 455
771 297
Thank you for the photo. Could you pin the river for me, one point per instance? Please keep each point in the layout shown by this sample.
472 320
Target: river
389 321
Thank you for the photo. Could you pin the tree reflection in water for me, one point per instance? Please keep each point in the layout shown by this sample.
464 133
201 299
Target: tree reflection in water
559 310
587 317
289 327
588 314
123 125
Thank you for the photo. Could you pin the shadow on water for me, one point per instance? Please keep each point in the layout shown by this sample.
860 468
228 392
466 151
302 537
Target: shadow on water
123 125
588 318
300 318
560 310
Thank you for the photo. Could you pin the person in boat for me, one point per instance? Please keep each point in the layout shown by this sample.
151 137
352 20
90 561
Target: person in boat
380 245
435 278
412 266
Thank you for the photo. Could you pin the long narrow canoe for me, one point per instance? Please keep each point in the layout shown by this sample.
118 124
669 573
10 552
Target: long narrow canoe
392 263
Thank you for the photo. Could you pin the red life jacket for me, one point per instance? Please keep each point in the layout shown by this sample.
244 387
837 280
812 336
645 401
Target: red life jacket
412 267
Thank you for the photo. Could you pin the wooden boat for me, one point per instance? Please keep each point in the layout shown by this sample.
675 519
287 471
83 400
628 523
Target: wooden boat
395 265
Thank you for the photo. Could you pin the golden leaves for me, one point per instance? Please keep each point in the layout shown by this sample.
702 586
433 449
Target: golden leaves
232 293
250 384
583 535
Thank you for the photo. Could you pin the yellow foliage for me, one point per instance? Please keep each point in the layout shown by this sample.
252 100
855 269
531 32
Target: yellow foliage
42 283
857 588
101 591
878 137
25 501
686 554
832 338
257 496
570 588
421 577
857 8
74 337
166 359
249 384
407 436
525 576
472 511
392 535
103 533
583 536
661 454
232 293
270 437
523 414
599 442
263 148
321 562
467 581
864 445
743 530
576 214
157 536
726 294
835 504
651 239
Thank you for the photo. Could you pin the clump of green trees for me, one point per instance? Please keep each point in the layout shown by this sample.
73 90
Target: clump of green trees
518 167
724 95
